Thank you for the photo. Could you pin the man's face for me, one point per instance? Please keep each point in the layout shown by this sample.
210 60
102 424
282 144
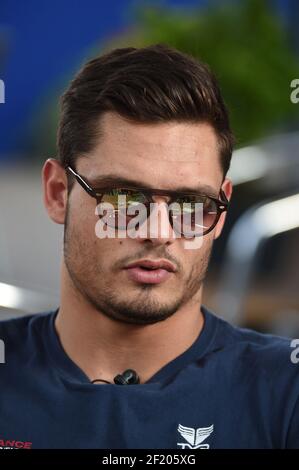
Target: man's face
164 156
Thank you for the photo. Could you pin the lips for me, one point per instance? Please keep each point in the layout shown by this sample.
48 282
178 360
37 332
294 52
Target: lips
152 265
149 271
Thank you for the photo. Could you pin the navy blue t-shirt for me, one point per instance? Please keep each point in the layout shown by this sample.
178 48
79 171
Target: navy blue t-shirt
233 388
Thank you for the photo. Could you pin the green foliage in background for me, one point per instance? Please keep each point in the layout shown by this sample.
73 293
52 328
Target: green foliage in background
245 45
247 48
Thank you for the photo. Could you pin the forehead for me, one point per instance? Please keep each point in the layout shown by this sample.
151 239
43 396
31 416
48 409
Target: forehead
164 155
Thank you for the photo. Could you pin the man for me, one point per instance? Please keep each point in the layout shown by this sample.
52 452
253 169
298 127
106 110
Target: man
131 358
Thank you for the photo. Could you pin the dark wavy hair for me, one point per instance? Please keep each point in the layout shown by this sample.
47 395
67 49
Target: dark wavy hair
146 85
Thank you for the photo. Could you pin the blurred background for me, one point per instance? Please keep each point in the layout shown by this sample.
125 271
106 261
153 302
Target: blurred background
253 48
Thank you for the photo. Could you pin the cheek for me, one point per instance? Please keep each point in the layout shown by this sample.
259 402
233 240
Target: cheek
80 234
106 254
195 249
196 258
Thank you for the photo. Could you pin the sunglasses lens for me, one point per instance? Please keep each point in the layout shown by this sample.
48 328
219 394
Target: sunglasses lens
123 205
194 217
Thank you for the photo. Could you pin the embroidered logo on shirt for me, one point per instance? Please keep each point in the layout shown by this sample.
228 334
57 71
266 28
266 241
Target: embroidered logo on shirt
194 437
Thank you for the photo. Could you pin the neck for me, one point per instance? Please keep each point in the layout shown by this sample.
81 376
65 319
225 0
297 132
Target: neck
103 347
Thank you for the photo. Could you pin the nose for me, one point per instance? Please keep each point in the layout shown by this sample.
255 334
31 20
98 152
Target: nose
157 227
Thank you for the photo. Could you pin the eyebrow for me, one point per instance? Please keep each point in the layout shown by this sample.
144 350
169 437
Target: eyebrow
104 181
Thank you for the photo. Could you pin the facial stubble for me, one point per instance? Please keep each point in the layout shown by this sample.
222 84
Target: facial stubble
89 281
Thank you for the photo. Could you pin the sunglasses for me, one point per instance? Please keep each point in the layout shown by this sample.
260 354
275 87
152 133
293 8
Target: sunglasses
185 209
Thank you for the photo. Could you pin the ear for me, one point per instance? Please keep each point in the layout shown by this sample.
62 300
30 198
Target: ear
227 187
55 190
